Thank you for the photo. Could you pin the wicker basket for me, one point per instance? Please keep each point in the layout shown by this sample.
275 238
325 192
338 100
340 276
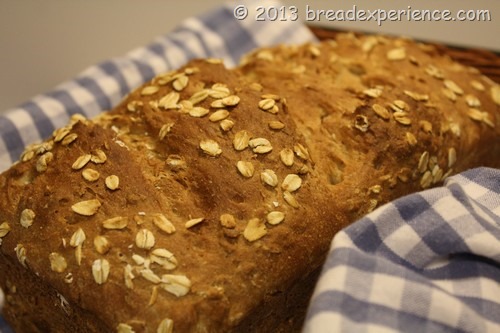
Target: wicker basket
485 61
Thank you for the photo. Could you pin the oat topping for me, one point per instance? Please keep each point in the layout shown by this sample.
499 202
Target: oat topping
260 145
191 70
99 157
57 262
164 130
245 168
193 222
265 55
477 85
70 138
77 238
480 116
164 258
87 207
115 223
198 112
218 115
61 133
124 328
287 156
434 72
276 125
149 275
255 229
27 155
169 101
472 101
495 94
426 180
166 326
149 90
423 162
375 189
275 217
175 163
452 157
269 177
381 111
101 244
180 82
210 147
449 94
214 61
78 254
27 218
145 239
425 126
219 91
100 270
199 96
184 106
163 223
301 151
228 221
402 118
68 278
437 174
226 125
134 106
21 254
4 229
290 199
43 161
81 162
411 139
231 100
112 182
402 105
373 92
291 183
128 276
241 140
315 51
178 285
369 44
139 260
416 96
267 104
217 104
453 87
90 175
396 54
255 86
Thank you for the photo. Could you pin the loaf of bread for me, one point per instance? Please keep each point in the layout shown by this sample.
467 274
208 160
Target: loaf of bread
206 201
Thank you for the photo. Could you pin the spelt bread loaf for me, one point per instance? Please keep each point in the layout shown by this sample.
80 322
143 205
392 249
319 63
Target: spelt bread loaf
206 201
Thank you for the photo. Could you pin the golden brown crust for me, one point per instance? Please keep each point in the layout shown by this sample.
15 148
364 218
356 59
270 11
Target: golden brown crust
209 197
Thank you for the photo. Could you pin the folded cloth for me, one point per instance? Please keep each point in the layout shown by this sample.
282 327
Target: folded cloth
428 262
216 34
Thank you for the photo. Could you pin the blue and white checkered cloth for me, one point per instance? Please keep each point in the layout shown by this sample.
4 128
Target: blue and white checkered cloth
427 262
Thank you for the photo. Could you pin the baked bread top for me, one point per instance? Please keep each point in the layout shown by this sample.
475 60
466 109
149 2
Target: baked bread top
208 192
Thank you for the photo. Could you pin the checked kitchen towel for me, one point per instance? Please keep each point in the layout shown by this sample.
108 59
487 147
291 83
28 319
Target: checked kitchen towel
428 262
